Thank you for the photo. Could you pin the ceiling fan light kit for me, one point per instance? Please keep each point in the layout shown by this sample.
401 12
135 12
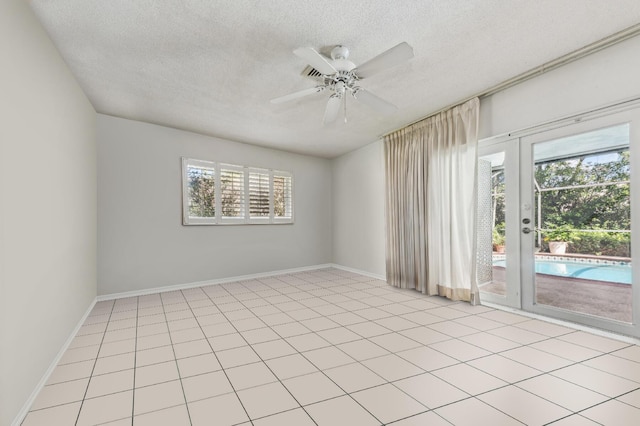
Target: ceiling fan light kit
341 76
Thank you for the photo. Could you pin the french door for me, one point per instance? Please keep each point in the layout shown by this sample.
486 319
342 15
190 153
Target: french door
564 203
498 232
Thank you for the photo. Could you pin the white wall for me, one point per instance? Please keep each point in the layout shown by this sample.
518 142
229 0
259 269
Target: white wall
142 243
599 79
358 209
47 205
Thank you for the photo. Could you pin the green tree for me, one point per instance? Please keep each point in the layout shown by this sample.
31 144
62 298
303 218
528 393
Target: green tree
201 192
498 196
579 208
232 193
281 188
590 207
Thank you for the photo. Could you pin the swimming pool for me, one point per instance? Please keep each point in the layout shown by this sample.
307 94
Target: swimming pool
588 271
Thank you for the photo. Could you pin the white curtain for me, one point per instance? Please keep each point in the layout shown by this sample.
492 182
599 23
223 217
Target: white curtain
431 187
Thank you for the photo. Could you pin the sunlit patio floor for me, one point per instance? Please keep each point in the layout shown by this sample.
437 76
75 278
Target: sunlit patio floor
599 298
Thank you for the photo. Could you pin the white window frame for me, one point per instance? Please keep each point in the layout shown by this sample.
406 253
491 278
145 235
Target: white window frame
246 219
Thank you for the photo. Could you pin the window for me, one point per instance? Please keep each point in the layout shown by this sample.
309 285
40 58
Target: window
216 193
282 196
200 190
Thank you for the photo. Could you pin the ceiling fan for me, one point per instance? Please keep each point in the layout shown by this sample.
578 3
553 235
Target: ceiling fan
340 76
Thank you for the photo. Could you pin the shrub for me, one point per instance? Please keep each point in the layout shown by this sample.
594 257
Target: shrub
561 233
598 243
498 235
601 243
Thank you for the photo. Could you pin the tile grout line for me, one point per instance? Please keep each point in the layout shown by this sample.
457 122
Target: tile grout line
609 399
329 378
135 358
507 384
387 382
94 364
184 396
542 373
259 357
355 360
571 415
416 415
214 354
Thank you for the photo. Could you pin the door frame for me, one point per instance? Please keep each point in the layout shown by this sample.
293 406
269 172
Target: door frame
510 147
527 278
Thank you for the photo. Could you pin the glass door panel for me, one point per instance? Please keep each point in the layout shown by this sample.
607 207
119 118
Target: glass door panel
497 236
576 222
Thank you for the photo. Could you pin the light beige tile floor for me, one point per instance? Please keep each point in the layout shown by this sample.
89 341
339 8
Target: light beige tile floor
330 347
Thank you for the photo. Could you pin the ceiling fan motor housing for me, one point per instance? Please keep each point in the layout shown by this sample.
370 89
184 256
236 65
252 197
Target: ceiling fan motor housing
344 79
340 81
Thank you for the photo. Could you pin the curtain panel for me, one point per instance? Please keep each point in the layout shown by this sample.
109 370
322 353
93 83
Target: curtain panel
431 199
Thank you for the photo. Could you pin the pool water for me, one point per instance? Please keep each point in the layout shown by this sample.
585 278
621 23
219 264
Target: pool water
587 271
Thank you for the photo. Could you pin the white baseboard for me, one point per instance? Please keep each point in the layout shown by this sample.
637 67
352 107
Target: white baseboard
195 284
27 405
358 271
186 286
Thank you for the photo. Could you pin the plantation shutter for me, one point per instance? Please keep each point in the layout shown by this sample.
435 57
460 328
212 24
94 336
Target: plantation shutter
232 192
216 193
282 196
258 194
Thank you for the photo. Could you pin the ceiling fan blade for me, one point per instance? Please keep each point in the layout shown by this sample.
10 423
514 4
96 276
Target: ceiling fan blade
296 95
333 108
394 56
316 60
374 102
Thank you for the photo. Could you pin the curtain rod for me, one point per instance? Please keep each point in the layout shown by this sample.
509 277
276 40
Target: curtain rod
594 47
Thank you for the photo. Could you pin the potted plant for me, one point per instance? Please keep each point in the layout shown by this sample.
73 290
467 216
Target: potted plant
498 237
558 239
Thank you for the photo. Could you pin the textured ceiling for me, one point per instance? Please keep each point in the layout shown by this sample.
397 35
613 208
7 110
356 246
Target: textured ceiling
211 66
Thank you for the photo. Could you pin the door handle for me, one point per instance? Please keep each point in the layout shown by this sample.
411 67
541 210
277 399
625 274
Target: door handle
526 230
